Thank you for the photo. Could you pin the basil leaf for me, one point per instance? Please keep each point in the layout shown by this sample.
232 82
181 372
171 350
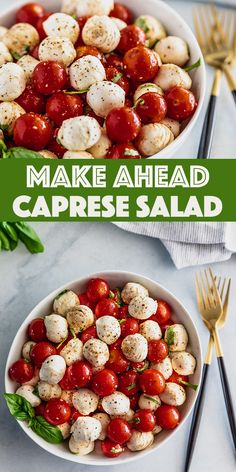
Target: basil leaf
61 293
29 237
13 244
9 230
22 153
19 407
76 92
141 22
5 241
170 336
50 433
117 77
3 149
193 66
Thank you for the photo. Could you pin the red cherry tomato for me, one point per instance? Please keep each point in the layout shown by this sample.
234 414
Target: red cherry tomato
140 366
90 112
104 382
39 25
123 312
41 351
97 289
31 100
141 64
74 415
66 383
40 409
30 13
163 312
181 103
81 20
123 151
111 449
61 346
116 344
21 371
37 330
117 362
128 383
167 416
114 75
32 131
123 124
152 382
115 61
61 106
122 12
130 37
151 108
49 77
144 420
82 51
119 430
177 378
106 307
85 301
88 333
57 411
166 325
55 146
134 401
80 374
35 52
157 350
129 326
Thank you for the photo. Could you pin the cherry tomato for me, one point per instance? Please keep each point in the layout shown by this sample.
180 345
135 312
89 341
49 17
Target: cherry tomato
123 312
61 345
80 374
157 350
130 37
167 416
163 312
141 64
117 361
37 330
144 420
90 112
119 430
66 383
116 296
55 146
49 77
166 325
88 333
114 75
134 401
181 103
40 409
116 344
106 307
111 449
32 131
39 25
115 61
61 106
21 371
122 12
30 13
81 20
151 108
57 411
97 289
123 124
35 52
123 151
41 351
82 51
129 326
140 366
104 383
177 378
152 382
31 100
85 301
74 415
128 383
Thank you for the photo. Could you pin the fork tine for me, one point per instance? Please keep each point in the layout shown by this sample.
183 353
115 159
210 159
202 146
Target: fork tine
226 299
199 294
198 31
207 33
210 296
217 298
204 292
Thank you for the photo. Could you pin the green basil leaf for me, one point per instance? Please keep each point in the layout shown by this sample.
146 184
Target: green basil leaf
19 407
141 22
170 336
5 241
76 92
50 433
9 230
117 77
22 153
61 293
29 237
3 149
193 66
13 244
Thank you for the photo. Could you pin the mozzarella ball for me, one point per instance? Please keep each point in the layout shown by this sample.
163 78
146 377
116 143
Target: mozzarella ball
67 395
116 404
65 429
147 88
108 329
173 50
157 429
28 64
79 133
86 428
56 328
102 32
35 379
85 401
80 447
164 367
80 318
102 97
173 394
20 39
64 301
135 347
26 391
12 81
173 125
153 138
176 337
69 7
131 290
3 31
47 154
94 7
149 402
73 351
62 26
183 363
47 391
101 148
150 330
77 155
57 49
96 352
126 417
53 369
85 72
119 23
104 420
153 29
9 112
140 441
142 307
170 75
26 350
5 55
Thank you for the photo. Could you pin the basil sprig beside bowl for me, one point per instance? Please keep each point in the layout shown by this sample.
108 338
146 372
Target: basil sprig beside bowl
12 233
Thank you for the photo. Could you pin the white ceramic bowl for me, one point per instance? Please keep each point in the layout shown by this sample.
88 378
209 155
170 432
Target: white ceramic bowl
174 24
115 279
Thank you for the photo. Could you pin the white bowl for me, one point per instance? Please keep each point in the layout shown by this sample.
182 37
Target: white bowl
115 279
175 25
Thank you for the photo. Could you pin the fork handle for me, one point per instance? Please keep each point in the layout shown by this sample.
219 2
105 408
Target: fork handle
227 398
234 95
231 80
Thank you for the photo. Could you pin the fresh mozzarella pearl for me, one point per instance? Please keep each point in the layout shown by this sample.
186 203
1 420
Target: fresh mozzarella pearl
173 125
102 32
173 394
56 328
173 50
135 347
131 290
80 447
119 23
102 97
85 401
73 351
53 369
150 330
26 350
153 29
153 138
94 7
146 88
85 72
47 391
108 329
96 352
26 391
86 428
164 367
116 404
69 7
140 441
65 429
183 363
104 420
170 75
47 154
149 402
64 301
5 55
20 39
127 416
77 155
157 429
101 148
12 81
80 318
176 337
79 133
9 112
67 395
57 49
35 379
142 307
62 26
28 64
3 31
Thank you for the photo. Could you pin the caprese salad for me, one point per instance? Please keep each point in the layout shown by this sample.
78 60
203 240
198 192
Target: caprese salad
107 366
92 81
